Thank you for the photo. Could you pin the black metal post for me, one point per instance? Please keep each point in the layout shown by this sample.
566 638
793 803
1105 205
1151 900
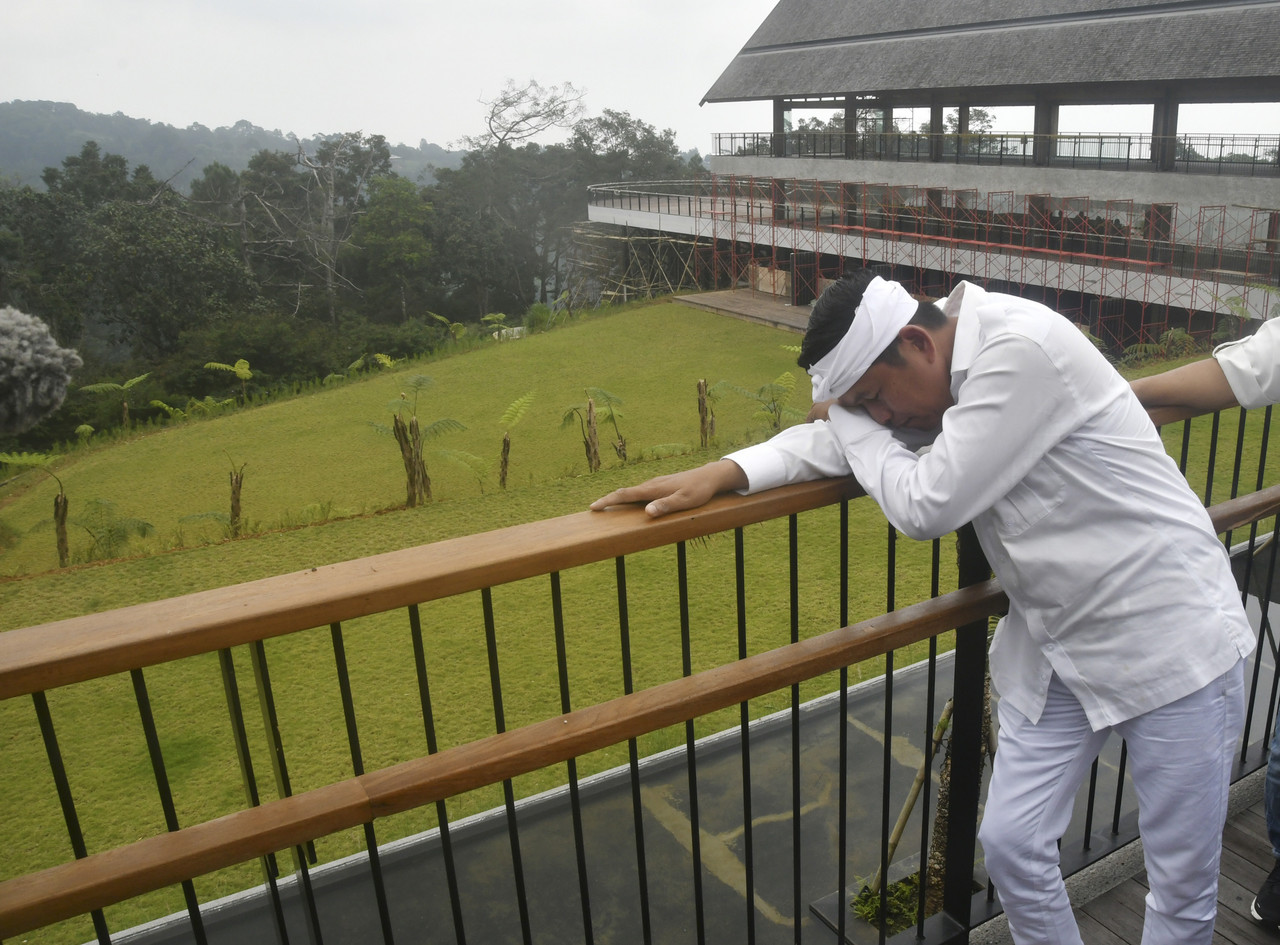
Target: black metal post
966 738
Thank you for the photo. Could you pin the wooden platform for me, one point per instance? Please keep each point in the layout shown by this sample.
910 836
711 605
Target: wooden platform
1115 917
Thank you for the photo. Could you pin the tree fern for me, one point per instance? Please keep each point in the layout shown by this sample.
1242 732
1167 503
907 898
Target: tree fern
510 417
61 504
242 372
109 387
515 410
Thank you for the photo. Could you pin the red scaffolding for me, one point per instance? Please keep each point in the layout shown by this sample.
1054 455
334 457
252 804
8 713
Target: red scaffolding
1119 267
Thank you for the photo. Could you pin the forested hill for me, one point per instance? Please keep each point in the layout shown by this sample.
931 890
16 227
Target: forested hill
36 135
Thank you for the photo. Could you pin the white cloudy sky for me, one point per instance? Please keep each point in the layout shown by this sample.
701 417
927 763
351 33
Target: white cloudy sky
414 69
406 69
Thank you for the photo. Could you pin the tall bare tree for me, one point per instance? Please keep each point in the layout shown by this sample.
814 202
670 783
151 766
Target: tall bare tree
523 111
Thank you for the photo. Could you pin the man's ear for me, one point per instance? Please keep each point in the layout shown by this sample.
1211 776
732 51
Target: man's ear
918 338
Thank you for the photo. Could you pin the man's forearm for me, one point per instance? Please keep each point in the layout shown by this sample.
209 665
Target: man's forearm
1196 388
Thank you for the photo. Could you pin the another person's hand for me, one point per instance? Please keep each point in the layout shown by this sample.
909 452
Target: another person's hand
678 491
819 411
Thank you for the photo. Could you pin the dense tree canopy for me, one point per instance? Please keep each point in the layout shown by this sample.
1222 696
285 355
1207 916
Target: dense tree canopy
306 260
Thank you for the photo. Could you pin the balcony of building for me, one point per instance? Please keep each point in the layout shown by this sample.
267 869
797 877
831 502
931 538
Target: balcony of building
1214 154
1189 170
1126 268
665 778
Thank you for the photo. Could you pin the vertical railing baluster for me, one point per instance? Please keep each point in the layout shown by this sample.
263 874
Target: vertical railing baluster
1262 446
508 788
1235 469
930 700
886 759
1213 459
575 803
1115 815
166 795
231 692
442 813
966 738
690 742
1265 628
744 727
633 752
794 594
63 786
280 770
842 780
1089 805
357 765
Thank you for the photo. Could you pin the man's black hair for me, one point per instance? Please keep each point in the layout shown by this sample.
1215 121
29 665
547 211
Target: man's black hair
833 313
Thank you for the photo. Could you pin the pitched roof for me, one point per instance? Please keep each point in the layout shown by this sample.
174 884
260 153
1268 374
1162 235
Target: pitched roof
1006 50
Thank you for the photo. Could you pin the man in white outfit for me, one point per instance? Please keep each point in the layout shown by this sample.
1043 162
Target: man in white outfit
1247 373
1123 613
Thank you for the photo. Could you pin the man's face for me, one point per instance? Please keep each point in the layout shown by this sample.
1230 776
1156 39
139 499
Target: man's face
912 395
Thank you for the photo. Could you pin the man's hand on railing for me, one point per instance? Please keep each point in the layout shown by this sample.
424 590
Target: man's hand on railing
679 491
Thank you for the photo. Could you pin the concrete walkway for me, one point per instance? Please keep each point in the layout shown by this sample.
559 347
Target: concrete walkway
418 893
751 306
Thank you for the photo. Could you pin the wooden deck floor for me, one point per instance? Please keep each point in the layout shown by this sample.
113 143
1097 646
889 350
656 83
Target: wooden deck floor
1115 917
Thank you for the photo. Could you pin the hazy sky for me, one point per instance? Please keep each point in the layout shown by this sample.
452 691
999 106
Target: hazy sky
414 69
406 69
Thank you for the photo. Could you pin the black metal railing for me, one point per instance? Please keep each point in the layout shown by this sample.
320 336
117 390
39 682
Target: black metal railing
405 629
1237 155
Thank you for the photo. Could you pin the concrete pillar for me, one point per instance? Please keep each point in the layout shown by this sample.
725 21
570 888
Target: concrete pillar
850 126
935 132
1164 132
886 128
779 128
1045 127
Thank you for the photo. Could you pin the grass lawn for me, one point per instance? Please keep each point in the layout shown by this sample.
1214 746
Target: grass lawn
318 458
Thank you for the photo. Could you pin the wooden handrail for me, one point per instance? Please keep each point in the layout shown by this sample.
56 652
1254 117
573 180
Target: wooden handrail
63 891
1246 509
33 659
60 892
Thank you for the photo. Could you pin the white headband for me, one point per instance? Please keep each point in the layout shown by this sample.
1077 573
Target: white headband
885 308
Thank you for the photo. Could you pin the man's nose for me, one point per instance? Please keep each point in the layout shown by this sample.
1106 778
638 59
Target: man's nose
879 413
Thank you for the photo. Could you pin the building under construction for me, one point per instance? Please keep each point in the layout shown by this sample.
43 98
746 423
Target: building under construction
1129 234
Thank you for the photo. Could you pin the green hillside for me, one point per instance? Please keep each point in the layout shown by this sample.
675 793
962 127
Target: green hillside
323 457
36 135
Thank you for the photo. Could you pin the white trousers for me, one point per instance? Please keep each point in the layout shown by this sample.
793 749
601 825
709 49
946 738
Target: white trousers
1180 758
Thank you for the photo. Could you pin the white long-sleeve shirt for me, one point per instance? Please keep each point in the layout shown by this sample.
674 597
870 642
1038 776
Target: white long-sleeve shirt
1115 578
1252 365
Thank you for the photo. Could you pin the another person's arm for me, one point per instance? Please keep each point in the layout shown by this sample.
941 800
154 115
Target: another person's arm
1196 388
1244 372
